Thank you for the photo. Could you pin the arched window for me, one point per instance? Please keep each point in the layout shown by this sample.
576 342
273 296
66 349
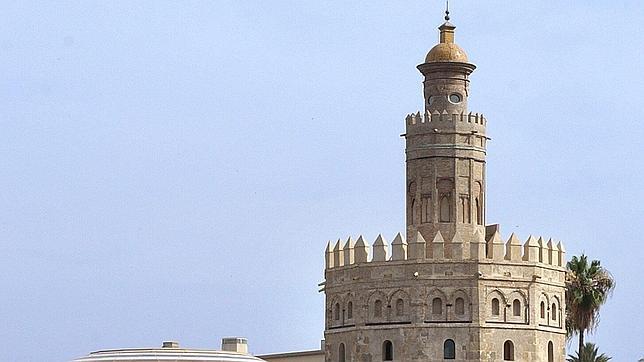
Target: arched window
551 352
349 310
459 307
516 308
445 209
543 310
387 351
377 309
554 311
508 351
400 307
336 312
437 306
479 214
341 353
449 349
495 307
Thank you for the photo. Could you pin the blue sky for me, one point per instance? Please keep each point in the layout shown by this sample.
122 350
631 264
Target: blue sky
173 170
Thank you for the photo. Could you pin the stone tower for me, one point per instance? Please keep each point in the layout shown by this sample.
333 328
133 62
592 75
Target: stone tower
452 289
445 158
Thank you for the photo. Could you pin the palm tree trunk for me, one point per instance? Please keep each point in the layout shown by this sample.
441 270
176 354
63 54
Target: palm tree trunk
581 341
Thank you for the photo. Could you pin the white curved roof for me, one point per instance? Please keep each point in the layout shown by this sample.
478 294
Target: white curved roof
165 354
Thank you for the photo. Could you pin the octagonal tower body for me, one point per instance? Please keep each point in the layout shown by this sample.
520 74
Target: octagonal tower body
452 288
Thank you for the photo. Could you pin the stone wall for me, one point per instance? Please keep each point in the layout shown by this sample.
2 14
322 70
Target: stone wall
420 303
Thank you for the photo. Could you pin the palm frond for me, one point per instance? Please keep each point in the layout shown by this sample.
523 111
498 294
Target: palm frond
589 353
588 287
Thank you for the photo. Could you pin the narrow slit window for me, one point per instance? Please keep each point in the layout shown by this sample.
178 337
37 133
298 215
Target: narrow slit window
377 309
387 351
437 306
425 209
414 212
445 209
400 307
465 209
495 307
459 307
508 351
516 308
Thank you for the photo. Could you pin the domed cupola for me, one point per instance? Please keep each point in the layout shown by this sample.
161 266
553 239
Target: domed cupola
446 50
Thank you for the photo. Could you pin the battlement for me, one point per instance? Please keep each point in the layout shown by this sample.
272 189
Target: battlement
533 250
428 117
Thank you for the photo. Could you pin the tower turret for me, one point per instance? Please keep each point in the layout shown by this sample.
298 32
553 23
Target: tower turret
445 147
446 70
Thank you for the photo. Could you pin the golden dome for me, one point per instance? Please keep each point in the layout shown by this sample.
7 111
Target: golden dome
446 52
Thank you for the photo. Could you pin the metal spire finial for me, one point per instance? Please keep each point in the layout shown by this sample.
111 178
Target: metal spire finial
447 10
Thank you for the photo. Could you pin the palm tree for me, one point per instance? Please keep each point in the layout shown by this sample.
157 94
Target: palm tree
588 286
588 354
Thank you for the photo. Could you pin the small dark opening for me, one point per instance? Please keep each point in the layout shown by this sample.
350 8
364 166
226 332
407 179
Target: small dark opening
449 349
508 351
387 351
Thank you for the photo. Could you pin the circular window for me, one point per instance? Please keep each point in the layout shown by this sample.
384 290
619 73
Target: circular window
431 100
455 98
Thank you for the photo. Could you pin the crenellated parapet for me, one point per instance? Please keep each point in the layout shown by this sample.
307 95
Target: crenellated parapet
417 119
475 247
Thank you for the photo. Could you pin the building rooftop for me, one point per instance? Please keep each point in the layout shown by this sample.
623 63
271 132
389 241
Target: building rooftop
169 352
